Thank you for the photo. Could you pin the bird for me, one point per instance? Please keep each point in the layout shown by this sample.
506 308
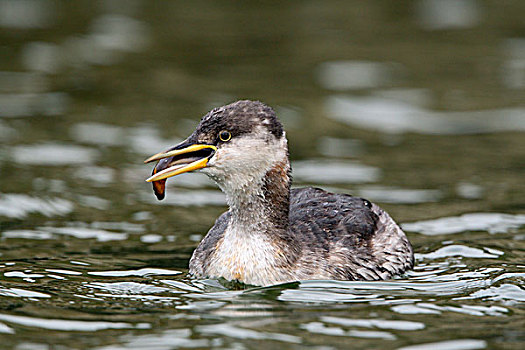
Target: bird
273 233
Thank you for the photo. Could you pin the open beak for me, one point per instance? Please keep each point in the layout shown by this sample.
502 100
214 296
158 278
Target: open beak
180 159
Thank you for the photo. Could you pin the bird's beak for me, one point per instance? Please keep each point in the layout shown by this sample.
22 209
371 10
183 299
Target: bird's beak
180 159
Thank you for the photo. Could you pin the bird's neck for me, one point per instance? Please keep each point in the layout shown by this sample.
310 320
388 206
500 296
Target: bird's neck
261 204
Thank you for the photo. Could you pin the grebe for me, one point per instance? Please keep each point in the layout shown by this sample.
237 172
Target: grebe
273 234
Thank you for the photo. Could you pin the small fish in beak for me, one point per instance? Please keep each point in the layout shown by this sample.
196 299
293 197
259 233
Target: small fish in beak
180 159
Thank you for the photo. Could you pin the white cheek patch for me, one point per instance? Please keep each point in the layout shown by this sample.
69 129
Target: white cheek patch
246 158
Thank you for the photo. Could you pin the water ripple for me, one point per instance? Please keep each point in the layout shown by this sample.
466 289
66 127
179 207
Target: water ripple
230 330
491 222
22 293
141 272
20 205
127 287
462 251
458 344
332 172
375 323
53 154
321 328
70 325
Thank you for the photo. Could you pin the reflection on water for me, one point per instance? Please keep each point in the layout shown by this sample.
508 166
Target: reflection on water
513 72
460 344
140 272
398 195
460 250
354 75
332 172
53 154
98 134
22 293
417 106
21 205
232 331
321 328
189 198
69 325
448 14
491 222
26 14
271 306
392 116
29 104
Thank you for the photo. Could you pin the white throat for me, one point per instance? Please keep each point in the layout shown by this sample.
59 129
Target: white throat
239 168
246 251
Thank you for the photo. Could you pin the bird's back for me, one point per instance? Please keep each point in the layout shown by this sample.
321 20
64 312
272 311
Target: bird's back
346 237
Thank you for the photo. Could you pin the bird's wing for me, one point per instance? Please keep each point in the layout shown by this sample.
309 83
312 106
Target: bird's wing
208 245
353 236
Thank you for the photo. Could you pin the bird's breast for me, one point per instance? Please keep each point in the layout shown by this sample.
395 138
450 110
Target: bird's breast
249 257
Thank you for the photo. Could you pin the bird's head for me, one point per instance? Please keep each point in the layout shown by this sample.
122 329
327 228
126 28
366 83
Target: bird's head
235 145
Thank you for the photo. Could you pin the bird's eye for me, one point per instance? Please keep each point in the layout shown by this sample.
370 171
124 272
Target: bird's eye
225 136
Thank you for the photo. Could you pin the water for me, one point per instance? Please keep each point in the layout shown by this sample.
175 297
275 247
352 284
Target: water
416 105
